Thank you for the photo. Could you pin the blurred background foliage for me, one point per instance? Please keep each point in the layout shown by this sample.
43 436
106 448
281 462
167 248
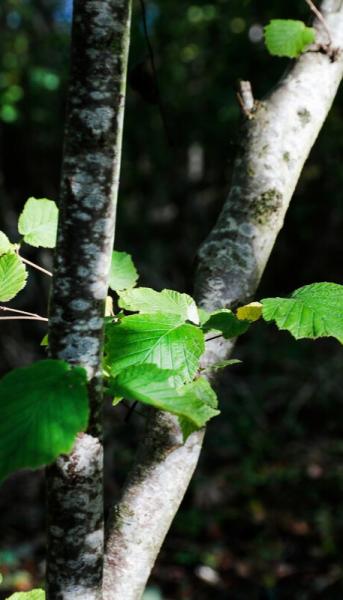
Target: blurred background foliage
263 518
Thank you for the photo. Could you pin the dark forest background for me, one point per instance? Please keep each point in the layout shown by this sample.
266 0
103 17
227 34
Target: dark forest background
263 518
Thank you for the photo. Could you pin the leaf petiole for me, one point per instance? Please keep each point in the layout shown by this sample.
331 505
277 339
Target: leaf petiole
32 264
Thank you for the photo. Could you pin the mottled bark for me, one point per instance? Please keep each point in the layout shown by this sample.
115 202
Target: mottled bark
275 144
89 186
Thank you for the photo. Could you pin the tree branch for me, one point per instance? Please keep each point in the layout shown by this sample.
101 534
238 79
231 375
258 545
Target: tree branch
275 144
89 187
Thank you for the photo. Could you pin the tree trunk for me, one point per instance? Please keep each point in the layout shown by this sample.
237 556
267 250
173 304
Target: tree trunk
275 144
89 186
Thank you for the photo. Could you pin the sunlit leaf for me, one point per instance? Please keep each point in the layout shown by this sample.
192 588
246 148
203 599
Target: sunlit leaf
249 312
13 276
285 37
312 311
5 244
38 222
123 273
148 384
32 595
146 300
42 408
162 339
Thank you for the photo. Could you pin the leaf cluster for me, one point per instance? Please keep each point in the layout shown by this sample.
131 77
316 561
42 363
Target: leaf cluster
152 354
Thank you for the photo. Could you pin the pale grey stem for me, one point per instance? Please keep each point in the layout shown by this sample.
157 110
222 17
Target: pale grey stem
89 188
22 312
32 264
275 145
23 318
246 98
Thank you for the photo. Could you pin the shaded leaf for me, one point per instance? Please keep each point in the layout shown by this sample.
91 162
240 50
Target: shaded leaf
146 300
13 276
42 408
123 273
162 339
38 222
200 389
45 341
285 37
222 364
312 311
226 323
153 386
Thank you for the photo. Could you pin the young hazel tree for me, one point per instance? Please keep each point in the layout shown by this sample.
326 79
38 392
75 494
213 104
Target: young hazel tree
163 349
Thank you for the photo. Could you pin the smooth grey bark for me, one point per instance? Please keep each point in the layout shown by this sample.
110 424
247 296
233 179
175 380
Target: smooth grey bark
275 144
89 187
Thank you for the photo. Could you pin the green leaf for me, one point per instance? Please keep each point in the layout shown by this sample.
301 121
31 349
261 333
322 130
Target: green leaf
200 389
5 244
162 339
45 341
42 408
222 364
32 595
38 222
203 315
285 37
151 385
226 323
123 273
13 276
312 311
146 300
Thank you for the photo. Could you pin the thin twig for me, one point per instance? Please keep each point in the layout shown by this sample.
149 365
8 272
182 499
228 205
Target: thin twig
23 318
38 267
320 17
215 337
246 98
21 312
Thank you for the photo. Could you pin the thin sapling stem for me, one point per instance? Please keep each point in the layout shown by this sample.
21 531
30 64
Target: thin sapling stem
22 312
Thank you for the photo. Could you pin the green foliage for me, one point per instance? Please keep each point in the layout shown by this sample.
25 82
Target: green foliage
312 311
222 364
158 338
123 273
196 402
249 312
38 222
152 357
225 322
5 244
285 37
147 300
200 390
13 276
32 595
42 408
